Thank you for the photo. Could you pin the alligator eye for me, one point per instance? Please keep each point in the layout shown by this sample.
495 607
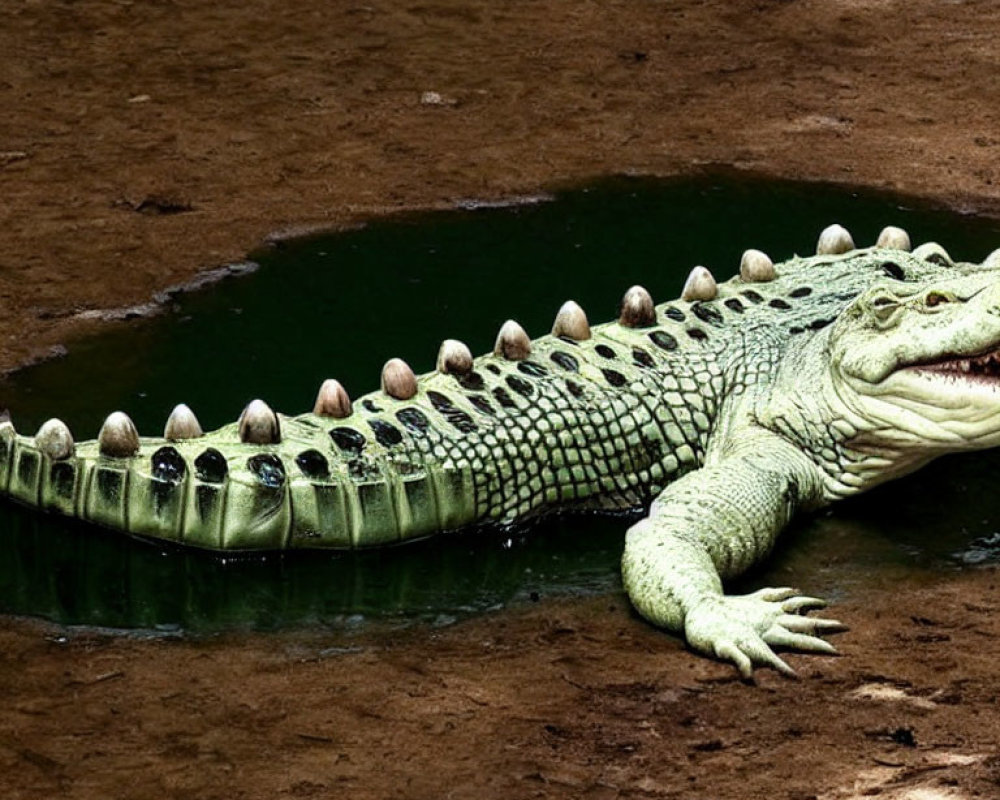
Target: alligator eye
884 307
936 299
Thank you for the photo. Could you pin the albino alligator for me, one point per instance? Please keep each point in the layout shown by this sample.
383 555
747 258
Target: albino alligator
733 408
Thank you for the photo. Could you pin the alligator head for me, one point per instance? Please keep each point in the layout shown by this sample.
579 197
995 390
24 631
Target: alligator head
914 368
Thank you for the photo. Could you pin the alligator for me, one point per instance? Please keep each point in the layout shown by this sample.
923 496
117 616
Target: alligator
722 414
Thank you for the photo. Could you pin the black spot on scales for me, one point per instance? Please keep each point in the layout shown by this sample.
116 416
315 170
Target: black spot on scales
27 468
523 388
663 340
62 476
455 416
697 334
893 270
613 377
348 440
606 352
168 469
313 464
503 398
109 484
707 314
482 404
670 312
386 434
752 296
532 368
268 470
413 420
642 358
206 499
167 465
369 406
565 360
779 304
472 381
802 291
211 466
733 304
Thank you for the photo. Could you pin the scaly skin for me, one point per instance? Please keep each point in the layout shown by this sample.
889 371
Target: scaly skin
736 408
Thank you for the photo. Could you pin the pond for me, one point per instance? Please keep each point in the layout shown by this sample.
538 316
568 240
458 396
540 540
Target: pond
341 305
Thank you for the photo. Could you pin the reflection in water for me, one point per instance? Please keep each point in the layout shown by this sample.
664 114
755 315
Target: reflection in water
340 306
75 573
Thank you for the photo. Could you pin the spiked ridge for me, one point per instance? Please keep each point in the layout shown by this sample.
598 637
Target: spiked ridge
661 403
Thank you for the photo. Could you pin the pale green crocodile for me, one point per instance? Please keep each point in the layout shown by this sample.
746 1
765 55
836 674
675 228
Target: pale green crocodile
733 408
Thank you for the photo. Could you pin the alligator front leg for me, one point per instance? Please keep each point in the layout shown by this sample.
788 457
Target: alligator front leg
713 524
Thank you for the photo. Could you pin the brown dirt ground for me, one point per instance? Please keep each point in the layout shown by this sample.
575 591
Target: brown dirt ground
142 142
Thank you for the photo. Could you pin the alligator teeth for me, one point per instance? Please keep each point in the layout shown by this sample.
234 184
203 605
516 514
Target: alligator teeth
894 238
182 424
259 424
55 440
834 240
934 253
637 309
332 400
118 437
512 342
700 285
454 358
992 261
756 267
986 365
398 379
571 321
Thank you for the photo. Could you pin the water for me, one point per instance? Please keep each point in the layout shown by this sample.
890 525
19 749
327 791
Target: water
340 306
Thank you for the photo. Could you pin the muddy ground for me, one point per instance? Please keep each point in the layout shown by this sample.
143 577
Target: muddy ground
144 142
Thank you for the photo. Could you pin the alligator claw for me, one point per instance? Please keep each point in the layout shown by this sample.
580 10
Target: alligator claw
744 629
800 624
781 637
794 605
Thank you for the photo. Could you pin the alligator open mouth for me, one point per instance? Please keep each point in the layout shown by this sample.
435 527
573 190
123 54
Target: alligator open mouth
984 367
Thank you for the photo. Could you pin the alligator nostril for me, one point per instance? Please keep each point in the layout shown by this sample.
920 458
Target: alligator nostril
935 299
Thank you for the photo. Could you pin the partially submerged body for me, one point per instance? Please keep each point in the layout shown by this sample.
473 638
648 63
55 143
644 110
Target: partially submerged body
731 410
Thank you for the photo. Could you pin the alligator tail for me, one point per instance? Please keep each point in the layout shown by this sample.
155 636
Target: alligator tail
184 491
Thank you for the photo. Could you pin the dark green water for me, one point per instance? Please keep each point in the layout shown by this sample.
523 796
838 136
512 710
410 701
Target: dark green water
340 306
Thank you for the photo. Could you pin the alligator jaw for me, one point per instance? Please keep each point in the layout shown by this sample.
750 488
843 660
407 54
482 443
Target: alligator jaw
982 369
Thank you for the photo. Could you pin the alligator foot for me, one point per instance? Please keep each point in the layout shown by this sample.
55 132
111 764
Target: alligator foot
743 628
